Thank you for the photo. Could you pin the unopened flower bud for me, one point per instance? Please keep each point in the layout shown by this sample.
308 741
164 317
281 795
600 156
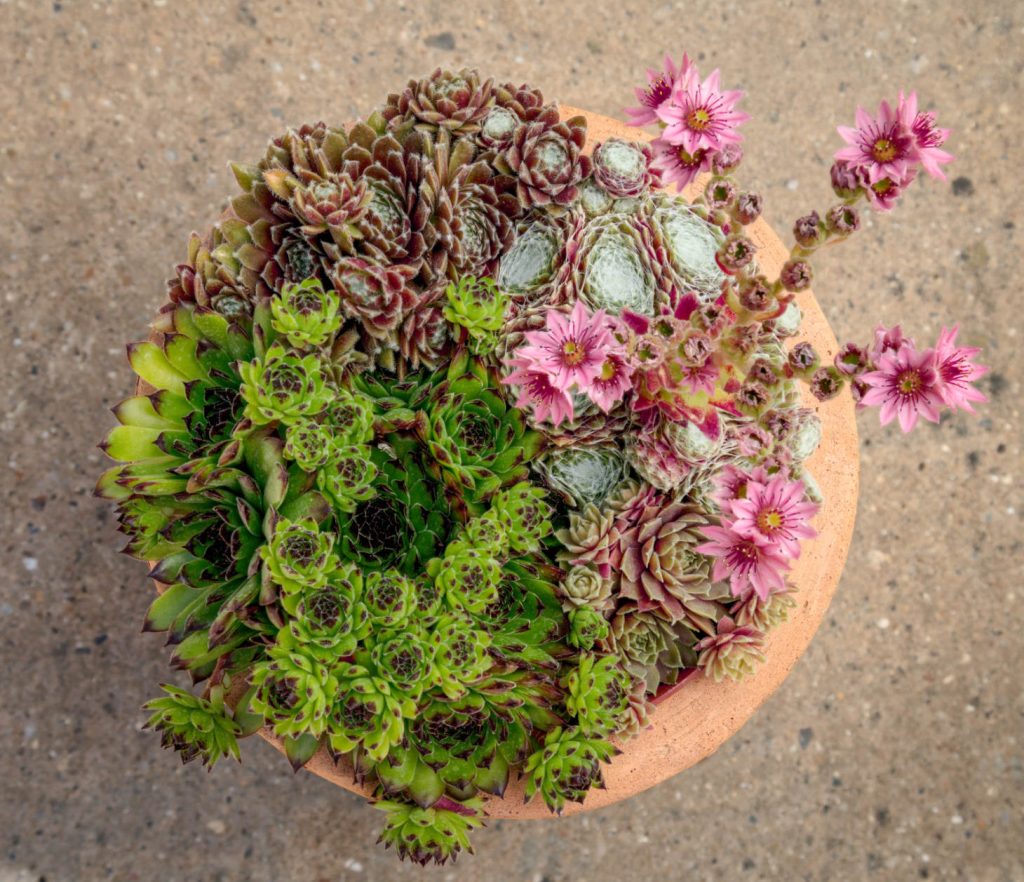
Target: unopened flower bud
842 220
796 275
727 159
696 349
719 193
803 358
748 207
845 181
755 294
851 360
807 230
826 383
761 371
752 398
710 317
736 252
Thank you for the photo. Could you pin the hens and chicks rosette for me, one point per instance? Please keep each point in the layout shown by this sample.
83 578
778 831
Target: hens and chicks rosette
453 445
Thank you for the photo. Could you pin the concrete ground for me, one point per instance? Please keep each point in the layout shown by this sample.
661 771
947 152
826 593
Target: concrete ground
893 752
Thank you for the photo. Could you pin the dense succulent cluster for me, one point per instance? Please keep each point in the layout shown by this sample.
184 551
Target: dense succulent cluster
457 442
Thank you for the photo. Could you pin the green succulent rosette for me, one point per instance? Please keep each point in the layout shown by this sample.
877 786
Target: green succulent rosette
478 442
282 387
405 523
478 307
525 516
294 691
349 479
467 576
405 659
306 314
597 694
328 621
430 835
565 767
586 627
389 597
460 654
367 713
299 555
193 726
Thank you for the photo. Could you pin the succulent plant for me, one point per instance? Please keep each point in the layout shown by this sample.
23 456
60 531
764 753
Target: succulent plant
305 314
623 168
583 586
392 228
425 339
282 387
660 568
362 539
294 691
530 267
524 515
546 157
405 524
299 555
452 101
460 654
651 647
473 210
478 443
566 767
468 577
193 726
763 614
367 712
733 651
348 479
378 297
586 627
597 694
436 834
691 244
614 265
477 306
582 475
330 620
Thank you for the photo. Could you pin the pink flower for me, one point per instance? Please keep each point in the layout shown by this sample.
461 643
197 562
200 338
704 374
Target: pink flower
677 165
658 91
956 371
612 383
885 193
536 392
905 385
571 349
731 483
882 146
928 137
777 511
888 340
699 378
747 561
700 116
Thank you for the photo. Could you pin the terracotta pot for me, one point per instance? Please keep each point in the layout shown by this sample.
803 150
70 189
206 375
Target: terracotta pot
697 716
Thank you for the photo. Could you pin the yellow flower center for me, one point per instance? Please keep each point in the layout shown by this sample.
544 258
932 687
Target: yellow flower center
698 119
909 383
573 352
769 521
608 370
883 150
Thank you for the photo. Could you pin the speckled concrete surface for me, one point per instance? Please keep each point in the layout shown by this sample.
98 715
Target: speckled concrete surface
894 751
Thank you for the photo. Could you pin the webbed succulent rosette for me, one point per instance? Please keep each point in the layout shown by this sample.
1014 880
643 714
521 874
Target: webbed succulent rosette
458 441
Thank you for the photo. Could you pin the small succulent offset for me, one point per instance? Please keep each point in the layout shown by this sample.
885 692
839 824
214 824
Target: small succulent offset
458 442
